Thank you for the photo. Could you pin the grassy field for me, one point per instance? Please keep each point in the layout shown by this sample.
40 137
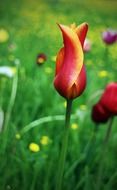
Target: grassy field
34 112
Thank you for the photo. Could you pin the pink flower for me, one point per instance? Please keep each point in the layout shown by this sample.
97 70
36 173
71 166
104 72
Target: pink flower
87 45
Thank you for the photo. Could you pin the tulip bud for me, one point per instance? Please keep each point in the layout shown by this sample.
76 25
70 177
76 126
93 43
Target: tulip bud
70 76
109 37
99 114
109 98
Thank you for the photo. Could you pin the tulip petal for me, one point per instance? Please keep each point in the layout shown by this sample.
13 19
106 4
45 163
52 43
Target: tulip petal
109 98
79 85
73 49
99 114
81 31
59 60
81 80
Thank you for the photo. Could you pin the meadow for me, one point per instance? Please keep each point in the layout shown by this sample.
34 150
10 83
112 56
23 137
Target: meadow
32 112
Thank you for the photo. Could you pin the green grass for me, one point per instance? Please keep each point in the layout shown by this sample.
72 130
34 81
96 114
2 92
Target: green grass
32 29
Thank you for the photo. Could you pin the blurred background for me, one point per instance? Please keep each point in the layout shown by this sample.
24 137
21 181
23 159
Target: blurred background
32 112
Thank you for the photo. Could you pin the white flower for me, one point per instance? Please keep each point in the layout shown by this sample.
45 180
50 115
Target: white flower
7 71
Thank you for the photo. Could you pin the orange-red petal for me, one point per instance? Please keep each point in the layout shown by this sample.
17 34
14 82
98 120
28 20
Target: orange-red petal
59 60
81 31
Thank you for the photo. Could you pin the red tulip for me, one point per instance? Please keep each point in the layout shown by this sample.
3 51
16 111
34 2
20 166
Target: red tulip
109 98
70 76
99 114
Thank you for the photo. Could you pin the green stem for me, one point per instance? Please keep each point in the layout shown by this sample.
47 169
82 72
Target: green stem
9 109
46 185
89 150
86 154
106 54
34 179
44 120
11 101
102 156
64 147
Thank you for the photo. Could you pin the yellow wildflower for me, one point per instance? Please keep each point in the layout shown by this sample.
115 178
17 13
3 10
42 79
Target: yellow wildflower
34 147
4 36
83 107
45 140
18 136
74 126
103 73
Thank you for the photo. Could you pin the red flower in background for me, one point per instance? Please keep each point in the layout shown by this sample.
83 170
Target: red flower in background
109 98
99 114
70 76
41 58
107 105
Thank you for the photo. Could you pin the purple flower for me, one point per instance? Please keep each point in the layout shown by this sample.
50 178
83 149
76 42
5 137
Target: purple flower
109 36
